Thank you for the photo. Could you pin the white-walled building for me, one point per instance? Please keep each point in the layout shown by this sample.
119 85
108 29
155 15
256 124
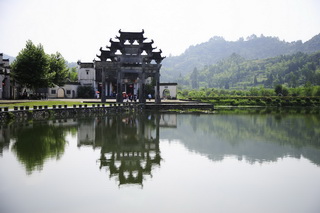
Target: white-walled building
168 90
5 87
87 75
69 90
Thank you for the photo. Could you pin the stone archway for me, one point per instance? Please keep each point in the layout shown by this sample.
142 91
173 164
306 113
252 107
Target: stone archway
129 65
61 93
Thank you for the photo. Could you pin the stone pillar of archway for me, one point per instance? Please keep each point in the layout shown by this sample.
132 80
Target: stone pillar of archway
157 95
142 95
108 87
119 87
103 87
157 127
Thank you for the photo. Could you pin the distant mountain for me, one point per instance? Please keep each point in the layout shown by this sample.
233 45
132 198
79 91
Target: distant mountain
236 72
72 64
217 48
11 58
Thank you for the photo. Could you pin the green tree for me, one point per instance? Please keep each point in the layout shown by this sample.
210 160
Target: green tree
278 89
194 79
34 69
85 92
73 74
58 69
31 67
308 89
316 91
180 79
149 89
255 80
265 92
285 91
296 91
269 81
254 91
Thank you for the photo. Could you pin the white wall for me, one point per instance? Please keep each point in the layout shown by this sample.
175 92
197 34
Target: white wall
171 88
87 76
68 90
5 90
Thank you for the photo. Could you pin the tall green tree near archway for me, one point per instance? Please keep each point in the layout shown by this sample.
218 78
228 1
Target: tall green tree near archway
34 69
31 67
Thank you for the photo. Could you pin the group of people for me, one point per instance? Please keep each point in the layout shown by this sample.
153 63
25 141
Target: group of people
129 97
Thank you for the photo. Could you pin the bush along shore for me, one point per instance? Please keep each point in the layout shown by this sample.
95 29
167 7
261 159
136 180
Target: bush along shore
303 96
274 101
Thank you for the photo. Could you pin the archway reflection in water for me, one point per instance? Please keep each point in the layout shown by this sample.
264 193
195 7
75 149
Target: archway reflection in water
129 146
258 162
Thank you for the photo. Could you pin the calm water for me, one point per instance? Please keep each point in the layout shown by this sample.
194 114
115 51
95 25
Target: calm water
227 162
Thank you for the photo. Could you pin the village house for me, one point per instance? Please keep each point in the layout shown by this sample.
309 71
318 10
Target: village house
6 91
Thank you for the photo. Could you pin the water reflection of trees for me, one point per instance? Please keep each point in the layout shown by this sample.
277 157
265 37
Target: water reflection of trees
34 143
129 145
256 136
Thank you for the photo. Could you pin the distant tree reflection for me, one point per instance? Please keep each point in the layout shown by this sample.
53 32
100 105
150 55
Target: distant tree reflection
34 144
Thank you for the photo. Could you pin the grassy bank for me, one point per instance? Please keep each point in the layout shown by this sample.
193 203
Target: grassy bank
262 101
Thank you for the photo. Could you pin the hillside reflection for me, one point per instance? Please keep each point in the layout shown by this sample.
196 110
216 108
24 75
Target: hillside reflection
129 144
255 136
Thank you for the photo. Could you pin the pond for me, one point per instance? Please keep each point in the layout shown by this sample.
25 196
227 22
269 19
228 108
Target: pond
230 161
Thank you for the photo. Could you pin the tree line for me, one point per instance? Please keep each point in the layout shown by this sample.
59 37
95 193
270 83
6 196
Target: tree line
306 91
34 69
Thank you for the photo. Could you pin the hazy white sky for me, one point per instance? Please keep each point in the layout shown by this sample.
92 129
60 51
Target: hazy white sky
78 28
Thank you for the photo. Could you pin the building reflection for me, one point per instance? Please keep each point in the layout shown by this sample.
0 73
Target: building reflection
129 145
4 138
168 120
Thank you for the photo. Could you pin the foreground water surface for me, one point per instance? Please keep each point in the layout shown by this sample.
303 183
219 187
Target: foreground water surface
256 161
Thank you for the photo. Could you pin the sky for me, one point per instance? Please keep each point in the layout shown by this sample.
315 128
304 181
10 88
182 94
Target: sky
78 28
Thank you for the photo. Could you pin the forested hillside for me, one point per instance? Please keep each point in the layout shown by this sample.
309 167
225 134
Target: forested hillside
235 72
217 48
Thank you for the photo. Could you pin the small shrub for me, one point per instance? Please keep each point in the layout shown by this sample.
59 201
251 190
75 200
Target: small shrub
85 92
268 100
